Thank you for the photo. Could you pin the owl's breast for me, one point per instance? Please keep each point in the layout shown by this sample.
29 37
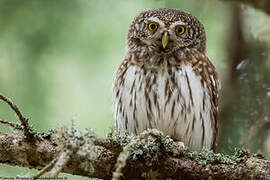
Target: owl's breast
173 100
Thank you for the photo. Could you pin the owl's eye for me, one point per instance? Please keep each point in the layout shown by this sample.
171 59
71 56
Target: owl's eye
152 26
179 29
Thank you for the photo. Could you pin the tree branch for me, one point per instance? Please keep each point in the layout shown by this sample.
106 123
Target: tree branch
259 4
151 157
259 124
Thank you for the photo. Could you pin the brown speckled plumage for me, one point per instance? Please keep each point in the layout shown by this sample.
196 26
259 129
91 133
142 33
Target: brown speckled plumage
171 87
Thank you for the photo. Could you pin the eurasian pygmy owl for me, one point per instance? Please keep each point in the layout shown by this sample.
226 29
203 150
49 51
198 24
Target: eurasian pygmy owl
166 81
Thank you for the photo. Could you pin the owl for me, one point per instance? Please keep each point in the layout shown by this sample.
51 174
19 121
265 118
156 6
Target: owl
165 81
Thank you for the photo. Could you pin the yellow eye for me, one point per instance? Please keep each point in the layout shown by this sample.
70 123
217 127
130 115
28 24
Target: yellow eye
152 26
180 29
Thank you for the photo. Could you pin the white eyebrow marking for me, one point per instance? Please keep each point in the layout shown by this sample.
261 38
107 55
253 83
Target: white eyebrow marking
178 23
157 20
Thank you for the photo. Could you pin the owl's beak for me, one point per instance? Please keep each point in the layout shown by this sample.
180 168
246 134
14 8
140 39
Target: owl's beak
165 39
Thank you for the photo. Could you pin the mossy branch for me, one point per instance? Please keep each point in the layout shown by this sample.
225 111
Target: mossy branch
148 157
151 155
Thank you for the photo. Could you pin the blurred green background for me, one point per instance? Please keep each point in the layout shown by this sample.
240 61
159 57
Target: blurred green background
58 59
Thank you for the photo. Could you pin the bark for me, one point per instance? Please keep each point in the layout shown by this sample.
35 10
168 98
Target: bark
259 4
151 156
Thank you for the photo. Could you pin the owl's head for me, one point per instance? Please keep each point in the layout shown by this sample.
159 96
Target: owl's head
166 30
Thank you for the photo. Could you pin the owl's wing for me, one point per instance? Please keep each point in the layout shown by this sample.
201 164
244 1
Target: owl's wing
118 82
203 67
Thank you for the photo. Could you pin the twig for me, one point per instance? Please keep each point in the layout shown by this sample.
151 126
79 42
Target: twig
45 169
125 154
122 159
256 127
60 164
13 125
24 121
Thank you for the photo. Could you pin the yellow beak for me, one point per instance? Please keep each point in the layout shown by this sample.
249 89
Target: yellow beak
165 39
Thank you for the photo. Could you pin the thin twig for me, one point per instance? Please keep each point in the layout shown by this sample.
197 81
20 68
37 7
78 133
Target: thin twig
260 123
122 159
24 121
60 164
45 169
13 125
127 150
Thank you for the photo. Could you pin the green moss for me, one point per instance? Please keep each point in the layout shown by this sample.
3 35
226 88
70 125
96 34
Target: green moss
171 146
150 142
208 156
122 139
